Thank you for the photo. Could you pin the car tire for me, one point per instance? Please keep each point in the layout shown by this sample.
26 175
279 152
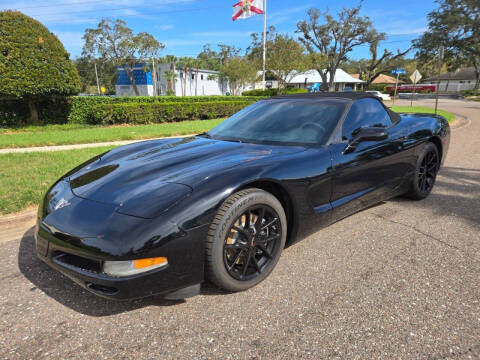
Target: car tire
241 253
426 170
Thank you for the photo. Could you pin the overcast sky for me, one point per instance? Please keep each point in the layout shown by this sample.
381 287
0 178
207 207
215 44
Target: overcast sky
185 25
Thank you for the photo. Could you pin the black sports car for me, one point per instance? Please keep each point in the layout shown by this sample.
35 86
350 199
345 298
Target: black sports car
161 216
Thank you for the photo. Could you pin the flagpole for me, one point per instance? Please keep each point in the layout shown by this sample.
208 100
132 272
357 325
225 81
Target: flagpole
264 41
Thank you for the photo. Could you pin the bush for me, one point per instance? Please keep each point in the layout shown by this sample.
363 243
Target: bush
472 92
159 112
272 92
78 109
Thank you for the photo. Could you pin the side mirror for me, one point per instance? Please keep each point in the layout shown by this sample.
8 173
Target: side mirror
366 134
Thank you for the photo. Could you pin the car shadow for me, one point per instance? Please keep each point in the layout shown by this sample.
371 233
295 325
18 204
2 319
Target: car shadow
456 193
65 291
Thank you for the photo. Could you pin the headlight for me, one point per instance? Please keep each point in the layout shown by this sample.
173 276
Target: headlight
133 267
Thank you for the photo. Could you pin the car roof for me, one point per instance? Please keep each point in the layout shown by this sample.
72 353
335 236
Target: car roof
326 95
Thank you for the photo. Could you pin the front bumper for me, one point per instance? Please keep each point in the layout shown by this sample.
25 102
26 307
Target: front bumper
184 271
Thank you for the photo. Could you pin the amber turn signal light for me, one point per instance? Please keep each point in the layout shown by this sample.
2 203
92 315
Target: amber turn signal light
144 263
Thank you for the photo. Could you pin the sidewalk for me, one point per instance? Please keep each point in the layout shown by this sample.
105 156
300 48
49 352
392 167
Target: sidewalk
79 146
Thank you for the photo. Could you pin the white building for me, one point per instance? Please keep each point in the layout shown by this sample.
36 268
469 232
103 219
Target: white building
462 79
201 83
309 77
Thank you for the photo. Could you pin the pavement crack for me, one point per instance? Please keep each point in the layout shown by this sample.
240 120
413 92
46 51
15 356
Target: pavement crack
421 232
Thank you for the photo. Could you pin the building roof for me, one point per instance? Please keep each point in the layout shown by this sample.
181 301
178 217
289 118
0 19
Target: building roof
461 74
381 79
313 76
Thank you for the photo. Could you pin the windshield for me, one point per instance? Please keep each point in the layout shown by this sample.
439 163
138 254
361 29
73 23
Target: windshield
293 121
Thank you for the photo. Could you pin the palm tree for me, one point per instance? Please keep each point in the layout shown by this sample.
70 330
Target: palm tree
171 73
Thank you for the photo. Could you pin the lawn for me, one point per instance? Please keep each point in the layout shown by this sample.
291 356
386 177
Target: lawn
422 109
82 134
24 178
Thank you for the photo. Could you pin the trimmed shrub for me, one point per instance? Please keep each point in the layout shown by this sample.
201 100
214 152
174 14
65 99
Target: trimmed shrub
160 112
273 92
470 92
78 109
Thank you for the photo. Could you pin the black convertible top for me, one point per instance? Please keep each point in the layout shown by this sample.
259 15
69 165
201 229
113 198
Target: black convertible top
350 95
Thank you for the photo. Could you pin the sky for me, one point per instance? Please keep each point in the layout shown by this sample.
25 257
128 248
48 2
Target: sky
184 26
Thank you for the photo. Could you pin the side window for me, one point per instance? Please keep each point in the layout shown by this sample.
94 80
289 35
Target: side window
364 113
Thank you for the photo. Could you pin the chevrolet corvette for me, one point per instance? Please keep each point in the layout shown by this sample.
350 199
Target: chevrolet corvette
163 216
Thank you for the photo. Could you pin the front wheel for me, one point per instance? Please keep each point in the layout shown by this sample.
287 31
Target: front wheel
245 240
423 180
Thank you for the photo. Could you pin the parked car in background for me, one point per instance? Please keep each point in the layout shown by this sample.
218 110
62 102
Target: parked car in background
379 94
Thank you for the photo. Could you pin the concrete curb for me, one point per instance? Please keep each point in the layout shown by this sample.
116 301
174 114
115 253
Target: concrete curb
80 146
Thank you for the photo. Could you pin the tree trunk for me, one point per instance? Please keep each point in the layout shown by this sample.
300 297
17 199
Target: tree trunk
196 81
323 75
170 79
132 80
33 110
185 82
477 76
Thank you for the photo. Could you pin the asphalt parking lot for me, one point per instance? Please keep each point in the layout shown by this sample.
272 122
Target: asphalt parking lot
398 281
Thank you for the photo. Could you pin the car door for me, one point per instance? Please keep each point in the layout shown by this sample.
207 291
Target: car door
370 172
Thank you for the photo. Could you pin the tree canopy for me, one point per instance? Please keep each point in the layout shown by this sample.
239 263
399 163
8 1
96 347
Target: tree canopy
238 72
329 41
33 62
114 41
455 26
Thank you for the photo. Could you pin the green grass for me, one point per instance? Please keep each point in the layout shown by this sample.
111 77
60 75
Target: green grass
82 134
422 109
24 178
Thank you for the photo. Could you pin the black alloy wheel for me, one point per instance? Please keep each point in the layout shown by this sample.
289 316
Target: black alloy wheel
428 171
251 241
423 180
245 239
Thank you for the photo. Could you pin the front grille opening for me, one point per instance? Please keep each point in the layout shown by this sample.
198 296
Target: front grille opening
101 289
79 262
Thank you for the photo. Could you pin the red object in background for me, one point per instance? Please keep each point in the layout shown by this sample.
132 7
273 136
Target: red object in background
411 88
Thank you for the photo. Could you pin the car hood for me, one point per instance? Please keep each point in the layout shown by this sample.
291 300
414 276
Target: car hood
169 169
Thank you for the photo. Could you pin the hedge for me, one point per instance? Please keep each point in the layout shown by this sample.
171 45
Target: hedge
159 112
472 92
78 109
273 92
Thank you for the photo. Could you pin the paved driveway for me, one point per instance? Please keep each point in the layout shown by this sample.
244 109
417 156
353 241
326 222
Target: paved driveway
400 280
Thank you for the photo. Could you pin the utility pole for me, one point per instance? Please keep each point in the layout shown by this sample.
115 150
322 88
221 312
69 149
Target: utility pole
396 86
264 41
440 60
96 76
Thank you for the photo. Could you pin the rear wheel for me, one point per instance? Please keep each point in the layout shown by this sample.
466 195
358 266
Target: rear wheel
425 174
245 240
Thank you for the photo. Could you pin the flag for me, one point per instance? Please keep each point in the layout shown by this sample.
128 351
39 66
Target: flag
247 8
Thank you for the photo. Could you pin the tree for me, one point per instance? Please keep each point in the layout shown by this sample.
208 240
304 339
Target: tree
33 62
187 62
238 72
114 42
285 56
107 74
331 41
384 64
213 60
455 25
